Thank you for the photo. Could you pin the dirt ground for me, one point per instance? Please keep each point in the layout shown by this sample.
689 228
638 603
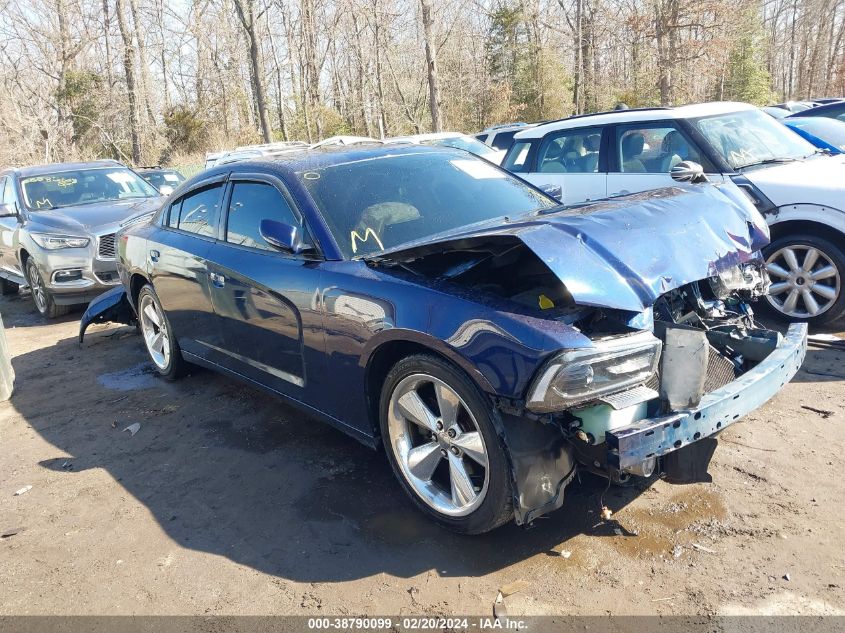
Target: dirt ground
227 501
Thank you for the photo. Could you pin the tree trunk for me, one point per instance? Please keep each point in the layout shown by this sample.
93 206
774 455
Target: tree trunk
431 67
129 69
246 13
144 74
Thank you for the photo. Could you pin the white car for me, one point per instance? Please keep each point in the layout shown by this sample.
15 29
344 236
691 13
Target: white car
501 136
798 188
456 140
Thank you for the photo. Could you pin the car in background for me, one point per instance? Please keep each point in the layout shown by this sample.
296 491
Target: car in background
500 137
58 225
799 188
776 112
251 151
343 141
824 133
834 110
456 140
162 178
490 340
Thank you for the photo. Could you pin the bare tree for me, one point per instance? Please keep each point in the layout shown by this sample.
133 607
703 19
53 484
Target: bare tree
247 16
431 67
129 70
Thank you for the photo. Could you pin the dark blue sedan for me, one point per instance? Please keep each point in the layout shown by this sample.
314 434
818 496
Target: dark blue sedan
424 300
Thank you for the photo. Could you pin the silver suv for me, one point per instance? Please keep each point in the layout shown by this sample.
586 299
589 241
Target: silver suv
58 225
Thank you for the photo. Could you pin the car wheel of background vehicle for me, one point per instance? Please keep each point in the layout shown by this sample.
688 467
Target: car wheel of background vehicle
443 447
41 297
8 287
807 273
158 336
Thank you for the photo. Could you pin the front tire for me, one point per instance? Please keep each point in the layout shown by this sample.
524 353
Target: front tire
41 297
159 340
807 275
442 444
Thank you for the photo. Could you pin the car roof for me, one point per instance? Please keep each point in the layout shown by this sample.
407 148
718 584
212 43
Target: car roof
419 138
327 156
634 115
40 170
820 110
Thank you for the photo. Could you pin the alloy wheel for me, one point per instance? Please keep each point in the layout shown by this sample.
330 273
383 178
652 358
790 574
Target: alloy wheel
438 445
805 281
154 330
36 287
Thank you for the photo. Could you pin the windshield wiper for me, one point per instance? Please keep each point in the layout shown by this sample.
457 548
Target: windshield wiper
769 161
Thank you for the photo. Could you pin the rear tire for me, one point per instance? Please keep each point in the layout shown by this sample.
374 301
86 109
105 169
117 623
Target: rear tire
807 274
41 297
159 340
442 444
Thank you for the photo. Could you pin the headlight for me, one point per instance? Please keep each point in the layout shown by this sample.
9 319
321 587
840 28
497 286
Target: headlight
582 375
54 242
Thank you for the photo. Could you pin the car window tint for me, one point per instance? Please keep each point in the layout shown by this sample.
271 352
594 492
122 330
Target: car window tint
198 211
570 152
504 140
251 203
517 156
652 149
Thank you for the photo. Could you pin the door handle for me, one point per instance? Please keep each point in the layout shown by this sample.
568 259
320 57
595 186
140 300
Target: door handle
154 255
219 281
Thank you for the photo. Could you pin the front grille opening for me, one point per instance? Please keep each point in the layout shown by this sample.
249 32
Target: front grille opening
106 246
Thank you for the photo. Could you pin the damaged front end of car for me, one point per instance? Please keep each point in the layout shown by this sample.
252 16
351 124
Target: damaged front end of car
660 285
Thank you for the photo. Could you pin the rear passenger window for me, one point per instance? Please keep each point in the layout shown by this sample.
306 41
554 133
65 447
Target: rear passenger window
570 152
251 203
197 212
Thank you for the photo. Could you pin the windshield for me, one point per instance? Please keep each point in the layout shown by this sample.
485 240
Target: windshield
830 131
752 137
83 186
159 179
377 204
463 142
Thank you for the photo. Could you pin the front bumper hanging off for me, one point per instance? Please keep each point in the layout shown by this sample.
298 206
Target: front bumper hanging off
628 447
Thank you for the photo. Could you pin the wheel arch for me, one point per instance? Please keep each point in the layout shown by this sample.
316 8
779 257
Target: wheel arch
386 353
136 282
823 222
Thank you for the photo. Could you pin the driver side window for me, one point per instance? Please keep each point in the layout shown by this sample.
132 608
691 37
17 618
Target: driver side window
251 203
654 149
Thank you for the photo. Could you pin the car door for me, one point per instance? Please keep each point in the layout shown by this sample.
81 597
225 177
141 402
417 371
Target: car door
266 299
9 228
641 156
573 160
178 265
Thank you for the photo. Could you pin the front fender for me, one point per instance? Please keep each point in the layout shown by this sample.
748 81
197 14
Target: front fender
431 342
822 214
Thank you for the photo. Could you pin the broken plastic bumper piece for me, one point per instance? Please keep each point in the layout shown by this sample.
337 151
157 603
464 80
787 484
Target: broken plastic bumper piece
630 446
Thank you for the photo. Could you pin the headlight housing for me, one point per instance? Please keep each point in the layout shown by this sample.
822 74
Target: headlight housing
54 242
581 375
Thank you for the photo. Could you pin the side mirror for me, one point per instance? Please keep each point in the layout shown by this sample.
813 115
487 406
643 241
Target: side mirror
7 211
555 191
283 236
688 171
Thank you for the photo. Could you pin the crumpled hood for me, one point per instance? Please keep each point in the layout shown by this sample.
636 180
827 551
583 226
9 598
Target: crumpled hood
88 218
818 180
625 252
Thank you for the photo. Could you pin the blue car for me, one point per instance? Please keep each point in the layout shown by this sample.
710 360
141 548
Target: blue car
824 133
493 342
